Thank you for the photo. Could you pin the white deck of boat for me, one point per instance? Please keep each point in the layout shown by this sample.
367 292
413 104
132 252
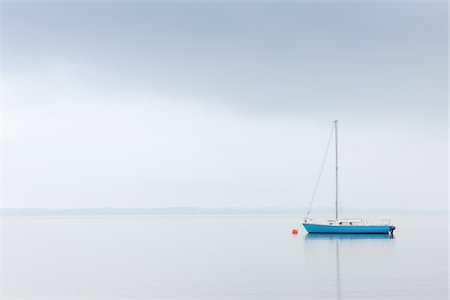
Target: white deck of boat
351 222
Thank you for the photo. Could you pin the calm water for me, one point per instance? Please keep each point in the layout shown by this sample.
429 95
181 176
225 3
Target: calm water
217 257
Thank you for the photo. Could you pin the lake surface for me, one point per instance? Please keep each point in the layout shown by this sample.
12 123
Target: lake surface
220 257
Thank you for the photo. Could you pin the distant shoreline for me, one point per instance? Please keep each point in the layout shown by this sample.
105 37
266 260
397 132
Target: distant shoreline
192 211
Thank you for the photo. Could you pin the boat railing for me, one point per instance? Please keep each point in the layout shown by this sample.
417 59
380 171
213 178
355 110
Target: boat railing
384 222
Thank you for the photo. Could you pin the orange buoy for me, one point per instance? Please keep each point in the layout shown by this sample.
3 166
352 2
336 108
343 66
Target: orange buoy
294 231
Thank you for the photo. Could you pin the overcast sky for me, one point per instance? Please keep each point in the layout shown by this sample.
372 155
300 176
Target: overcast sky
223 104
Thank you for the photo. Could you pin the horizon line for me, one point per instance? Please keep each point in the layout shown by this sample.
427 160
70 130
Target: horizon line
192 210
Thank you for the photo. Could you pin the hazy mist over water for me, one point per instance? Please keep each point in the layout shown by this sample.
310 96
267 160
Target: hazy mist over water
166 149
231 257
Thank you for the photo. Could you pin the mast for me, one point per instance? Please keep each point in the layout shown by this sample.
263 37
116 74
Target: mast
337 185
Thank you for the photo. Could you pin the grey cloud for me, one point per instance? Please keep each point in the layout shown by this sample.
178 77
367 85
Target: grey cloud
267 58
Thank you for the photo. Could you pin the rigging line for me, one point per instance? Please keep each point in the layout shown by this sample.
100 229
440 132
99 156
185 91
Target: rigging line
320 173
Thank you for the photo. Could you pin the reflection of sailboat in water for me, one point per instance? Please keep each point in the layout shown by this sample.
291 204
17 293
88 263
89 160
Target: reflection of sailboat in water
320 239
338 271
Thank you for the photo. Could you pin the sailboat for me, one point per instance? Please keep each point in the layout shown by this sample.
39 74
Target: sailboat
345 226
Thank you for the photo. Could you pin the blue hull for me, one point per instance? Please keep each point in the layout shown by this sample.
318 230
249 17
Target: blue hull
319 228
348 236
